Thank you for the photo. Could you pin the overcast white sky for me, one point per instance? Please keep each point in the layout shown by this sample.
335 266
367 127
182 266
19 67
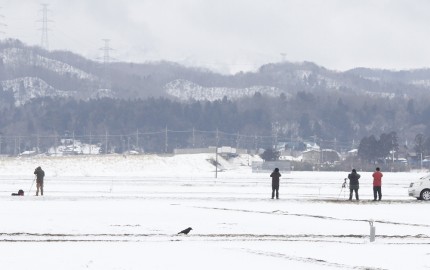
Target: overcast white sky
233 35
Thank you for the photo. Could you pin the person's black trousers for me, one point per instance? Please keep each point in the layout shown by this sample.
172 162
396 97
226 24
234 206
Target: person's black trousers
377 191
275 188
350 193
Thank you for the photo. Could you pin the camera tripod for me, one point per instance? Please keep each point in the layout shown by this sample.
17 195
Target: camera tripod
344 186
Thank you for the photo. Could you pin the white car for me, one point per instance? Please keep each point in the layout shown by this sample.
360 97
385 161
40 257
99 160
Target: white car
421 188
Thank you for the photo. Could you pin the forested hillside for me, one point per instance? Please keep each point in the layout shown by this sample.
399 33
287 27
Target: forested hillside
341 117
43 92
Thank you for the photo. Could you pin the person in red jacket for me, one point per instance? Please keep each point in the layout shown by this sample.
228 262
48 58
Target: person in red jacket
377 183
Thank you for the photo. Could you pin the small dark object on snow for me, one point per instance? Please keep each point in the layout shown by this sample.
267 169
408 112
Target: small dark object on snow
186 231
20 193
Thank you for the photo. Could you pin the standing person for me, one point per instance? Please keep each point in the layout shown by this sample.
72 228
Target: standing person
275 183
377 184
353 184
40 174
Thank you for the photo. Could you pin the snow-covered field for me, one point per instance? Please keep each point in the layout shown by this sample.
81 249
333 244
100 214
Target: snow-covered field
118 212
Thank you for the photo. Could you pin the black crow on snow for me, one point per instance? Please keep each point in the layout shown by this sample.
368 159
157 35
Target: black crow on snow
186 231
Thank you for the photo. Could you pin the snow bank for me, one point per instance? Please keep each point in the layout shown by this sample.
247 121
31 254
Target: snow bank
122 165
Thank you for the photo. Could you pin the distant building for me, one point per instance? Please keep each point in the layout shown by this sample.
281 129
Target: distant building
311 156
74 147
293 146
268 166
329 156
210 150
352 153
312 146
28 153
321 156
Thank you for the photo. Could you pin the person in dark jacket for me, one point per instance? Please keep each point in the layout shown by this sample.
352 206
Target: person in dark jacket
275 183
40 174
353 184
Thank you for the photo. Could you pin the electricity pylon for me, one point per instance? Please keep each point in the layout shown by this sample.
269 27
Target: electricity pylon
44 43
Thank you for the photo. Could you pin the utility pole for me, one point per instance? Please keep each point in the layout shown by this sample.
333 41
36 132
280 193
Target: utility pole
91 146
276 140
106 143
216 154
335 144
165 141
44 43
37 144
194 138
142 143
421 161
137 140
55 144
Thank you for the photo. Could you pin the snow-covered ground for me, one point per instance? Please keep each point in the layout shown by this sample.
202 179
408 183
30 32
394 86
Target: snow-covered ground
117 212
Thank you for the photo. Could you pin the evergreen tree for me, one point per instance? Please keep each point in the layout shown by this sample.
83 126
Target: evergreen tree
270 155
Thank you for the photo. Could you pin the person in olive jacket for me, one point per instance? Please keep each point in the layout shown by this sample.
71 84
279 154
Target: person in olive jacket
275 183
40 174
353 184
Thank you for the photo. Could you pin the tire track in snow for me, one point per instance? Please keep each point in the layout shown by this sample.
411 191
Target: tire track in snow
130 237
319 262
279 212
